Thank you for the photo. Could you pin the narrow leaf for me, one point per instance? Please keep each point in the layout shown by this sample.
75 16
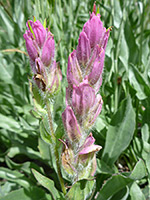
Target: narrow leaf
47 183
139 83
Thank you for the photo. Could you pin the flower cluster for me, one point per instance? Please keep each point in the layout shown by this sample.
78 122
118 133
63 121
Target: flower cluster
40 45
83 103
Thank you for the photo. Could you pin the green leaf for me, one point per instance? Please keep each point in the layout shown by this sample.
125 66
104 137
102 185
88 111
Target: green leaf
124 52
122 194
44 134
22 149
148 163
103 168
136 193
141 148
139 83
48 184
9 123
112 186
7 71
131 42
139 171
34 193
47 153
117 14
145 132
146 115
7 24
120 132
81 190
146 191
24 167
15 177
38 99
6 188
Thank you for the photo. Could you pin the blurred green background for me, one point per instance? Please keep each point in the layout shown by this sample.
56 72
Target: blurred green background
123 127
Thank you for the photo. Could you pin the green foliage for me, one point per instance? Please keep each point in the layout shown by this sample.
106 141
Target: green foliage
47 183
81 189
123 127
120 131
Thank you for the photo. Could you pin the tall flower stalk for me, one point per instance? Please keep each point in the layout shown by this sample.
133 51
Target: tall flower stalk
46 74
83 102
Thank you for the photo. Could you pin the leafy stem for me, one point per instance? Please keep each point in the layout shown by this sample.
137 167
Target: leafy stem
54 139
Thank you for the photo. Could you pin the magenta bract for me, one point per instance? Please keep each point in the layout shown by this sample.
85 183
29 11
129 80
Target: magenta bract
71 124
39 67
97 68
89 146
31 46
83 98
83 49
74 72
94 29
48 50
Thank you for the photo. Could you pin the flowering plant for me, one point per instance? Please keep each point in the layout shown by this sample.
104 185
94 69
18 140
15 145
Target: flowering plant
84 75
72 127
83 101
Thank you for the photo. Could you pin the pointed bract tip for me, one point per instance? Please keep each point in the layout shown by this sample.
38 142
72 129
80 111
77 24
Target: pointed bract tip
44 24
110 28
94 8
34 19
98 10
30 27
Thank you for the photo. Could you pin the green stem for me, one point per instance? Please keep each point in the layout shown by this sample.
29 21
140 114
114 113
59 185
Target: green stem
116 54
137 112
116 84
50 121
141 39
56 149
